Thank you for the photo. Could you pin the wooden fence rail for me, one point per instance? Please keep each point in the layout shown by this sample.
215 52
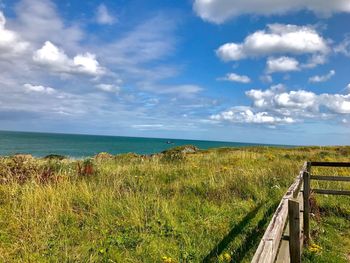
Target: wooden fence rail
289 228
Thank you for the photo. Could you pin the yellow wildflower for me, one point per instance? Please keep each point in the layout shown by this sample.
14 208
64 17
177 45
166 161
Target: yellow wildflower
227 257
315 248
167 260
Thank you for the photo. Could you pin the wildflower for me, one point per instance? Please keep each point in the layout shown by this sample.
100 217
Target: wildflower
227 257
315 248
167 260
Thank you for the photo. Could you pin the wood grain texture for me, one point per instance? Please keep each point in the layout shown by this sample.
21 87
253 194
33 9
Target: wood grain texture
294 231
306 207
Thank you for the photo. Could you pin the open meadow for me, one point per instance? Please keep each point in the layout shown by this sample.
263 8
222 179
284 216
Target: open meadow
171 207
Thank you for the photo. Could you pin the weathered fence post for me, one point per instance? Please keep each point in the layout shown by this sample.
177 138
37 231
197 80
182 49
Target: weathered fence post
294 231
306 197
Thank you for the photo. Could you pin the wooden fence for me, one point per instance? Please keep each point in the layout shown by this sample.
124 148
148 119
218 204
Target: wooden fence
289 228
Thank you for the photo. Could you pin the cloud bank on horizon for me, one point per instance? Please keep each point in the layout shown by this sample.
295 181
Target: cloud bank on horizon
241 70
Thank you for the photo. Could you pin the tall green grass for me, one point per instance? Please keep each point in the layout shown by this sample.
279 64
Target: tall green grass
171 207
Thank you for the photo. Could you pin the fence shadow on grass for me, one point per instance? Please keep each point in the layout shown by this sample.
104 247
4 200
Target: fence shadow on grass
251 240
335 211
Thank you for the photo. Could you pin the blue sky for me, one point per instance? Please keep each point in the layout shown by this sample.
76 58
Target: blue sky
234 70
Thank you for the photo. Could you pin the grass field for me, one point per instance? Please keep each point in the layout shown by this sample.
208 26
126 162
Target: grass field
171 207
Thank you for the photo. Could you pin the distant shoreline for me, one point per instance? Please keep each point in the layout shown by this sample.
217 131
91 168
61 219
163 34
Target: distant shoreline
178 149
83 146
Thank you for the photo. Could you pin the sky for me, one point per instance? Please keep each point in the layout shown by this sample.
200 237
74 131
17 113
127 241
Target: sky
231 70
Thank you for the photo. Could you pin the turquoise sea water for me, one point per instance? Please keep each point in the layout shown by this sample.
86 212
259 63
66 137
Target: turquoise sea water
77 146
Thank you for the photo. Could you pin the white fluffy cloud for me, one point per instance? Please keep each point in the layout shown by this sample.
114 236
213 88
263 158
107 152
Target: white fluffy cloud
337 103
58 61
322 78
218 11
38 88
103 16
11 43
246 115
276 39
278 106
278 99
282 64
302 101
236 78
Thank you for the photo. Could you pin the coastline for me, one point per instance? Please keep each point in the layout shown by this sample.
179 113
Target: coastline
183 149
82 146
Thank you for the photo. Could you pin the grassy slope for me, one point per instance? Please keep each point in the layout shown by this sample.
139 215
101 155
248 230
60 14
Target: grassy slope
140 209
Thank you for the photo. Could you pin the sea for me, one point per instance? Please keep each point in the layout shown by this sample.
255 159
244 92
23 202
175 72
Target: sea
81 146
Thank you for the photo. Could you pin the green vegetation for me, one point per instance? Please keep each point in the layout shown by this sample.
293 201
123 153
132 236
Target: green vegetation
178 206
